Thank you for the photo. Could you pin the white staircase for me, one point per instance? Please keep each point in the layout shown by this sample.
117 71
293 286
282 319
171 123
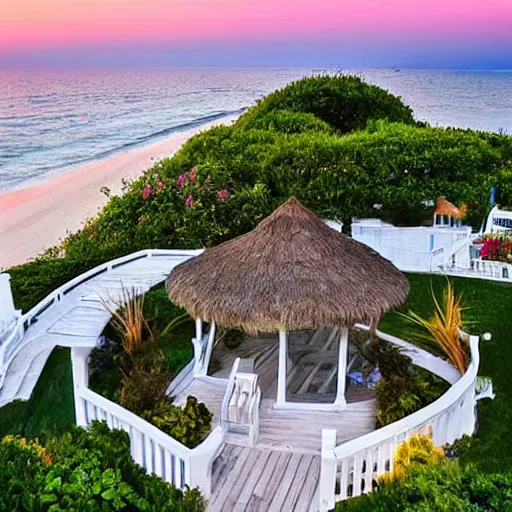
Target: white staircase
73 315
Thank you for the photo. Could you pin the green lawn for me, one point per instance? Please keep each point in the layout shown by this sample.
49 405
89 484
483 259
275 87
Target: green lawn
51 406
50 409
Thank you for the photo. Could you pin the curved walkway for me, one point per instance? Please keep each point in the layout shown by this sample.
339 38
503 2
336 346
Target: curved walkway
74 315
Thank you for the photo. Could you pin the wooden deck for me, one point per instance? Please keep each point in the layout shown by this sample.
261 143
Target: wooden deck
280 473
256 480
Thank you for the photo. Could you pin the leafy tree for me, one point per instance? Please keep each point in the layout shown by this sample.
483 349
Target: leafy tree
345 102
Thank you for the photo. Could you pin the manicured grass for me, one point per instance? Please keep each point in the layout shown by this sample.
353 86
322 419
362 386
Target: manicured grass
488 306
50 410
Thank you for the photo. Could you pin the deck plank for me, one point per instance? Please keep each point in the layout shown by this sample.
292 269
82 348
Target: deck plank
257 471
298 482
227 468
231 477
243 482
283 485
265 488
305 501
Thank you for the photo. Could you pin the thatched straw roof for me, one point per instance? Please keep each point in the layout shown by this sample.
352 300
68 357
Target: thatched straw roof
444 207
291 272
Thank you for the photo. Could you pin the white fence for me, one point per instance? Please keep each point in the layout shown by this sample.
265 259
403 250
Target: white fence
151 448
352 468
14 342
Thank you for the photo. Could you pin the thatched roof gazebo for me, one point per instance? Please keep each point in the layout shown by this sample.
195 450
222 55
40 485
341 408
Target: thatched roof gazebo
292 272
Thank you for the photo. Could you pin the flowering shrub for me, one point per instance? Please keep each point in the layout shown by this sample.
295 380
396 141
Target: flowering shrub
193 186
496 248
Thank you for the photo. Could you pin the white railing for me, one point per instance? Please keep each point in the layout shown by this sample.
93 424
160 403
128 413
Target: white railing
8 312
14 343
492 269
155 451
437 260
419 357
151 448
352 468
8 346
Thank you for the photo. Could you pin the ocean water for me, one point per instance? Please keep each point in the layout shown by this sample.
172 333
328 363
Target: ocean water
52 120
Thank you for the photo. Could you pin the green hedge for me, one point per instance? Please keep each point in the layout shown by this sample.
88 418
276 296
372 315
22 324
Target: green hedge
397 166
287 121
345 102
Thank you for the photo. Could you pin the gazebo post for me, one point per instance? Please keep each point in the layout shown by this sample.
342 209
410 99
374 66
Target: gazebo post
281 374
202 348
342 368
208 350
197 342
199 329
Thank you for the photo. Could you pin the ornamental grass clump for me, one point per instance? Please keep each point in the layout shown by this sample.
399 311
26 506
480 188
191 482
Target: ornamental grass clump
444 328
129 320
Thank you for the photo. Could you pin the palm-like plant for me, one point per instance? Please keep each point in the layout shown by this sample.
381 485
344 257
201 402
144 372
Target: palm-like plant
444 328
129 320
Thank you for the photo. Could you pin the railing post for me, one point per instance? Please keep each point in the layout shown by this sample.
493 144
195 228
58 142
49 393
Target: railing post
328 471
80 370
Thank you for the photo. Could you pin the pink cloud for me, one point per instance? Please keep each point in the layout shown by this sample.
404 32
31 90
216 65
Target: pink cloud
28 23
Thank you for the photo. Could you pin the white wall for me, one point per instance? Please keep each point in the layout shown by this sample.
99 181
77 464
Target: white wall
7 310
416 248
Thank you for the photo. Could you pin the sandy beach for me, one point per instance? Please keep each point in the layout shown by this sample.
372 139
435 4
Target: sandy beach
36 218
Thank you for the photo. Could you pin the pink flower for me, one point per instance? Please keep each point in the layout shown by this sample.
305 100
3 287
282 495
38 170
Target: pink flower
193 174
182 180
222 194
159 186
189 203
148 190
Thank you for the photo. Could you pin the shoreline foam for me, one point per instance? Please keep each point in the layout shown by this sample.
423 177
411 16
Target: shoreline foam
34 218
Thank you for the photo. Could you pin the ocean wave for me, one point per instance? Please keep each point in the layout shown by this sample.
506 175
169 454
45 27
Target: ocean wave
139 141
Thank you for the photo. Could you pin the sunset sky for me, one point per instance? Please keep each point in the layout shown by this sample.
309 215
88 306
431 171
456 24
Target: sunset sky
346 33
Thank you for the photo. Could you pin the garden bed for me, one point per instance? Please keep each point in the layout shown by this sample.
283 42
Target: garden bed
144 347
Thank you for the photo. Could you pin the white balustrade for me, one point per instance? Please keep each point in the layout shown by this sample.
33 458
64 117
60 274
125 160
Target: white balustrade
359 463
8 313
151 448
